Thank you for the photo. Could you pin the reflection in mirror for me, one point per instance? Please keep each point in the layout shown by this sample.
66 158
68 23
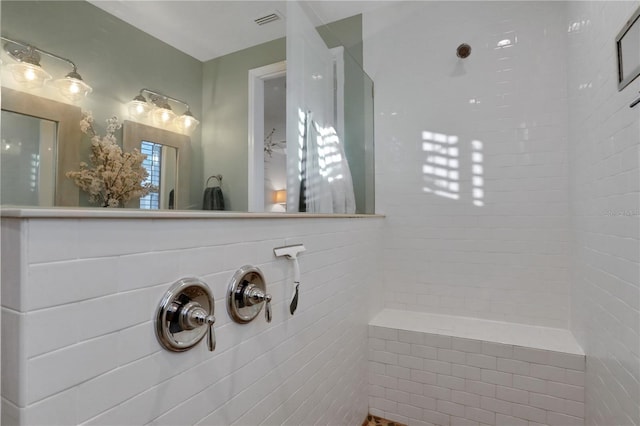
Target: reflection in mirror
40 142
161 164
211 77
168 163
27 170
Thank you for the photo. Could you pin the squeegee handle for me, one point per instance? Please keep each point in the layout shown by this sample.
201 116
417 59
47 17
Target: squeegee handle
296 271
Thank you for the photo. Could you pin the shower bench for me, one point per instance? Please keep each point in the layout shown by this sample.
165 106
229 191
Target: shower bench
431 369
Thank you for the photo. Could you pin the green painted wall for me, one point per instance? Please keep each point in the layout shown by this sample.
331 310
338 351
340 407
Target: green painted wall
225 103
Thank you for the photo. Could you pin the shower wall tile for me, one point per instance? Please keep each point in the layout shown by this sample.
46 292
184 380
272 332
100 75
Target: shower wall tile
82 348
472 157
605 201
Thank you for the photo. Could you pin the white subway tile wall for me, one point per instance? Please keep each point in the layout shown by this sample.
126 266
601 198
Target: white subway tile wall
472 157
605 201
481 383
79 344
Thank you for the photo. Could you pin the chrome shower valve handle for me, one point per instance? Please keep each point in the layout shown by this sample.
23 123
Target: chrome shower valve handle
185 315
267 308
247 294
192 316
254 295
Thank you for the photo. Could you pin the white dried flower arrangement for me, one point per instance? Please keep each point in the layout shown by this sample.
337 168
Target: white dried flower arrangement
115 176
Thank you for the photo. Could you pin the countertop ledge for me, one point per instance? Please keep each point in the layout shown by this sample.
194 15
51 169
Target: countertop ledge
107 213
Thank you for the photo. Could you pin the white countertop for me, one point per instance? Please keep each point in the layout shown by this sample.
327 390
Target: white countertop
118 213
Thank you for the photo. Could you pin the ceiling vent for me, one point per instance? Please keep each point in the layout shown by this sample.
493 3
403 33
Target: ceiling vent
271 17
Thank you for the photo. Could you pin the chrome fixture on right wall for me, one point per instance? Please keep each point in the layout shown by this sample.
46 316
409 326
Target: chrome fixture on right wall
627 47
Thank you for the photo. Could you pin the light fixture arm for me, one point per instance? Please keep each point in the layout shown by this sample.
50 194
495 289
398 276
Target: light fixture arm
37 49
163 96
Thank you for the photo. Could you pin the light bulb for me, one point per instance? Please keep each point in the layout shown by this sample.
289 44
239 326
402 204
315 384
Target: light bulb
29 75
138 107
73 87
162 116
186 123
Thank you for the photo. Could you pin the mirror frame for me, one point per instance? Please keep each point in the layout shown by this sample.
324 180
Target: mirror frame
133 133
68 136
625 77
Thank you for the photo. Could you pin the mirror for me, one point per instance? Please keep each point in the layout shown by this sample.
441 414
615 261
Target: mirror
168 162
628 46
50 137
27 169
118 59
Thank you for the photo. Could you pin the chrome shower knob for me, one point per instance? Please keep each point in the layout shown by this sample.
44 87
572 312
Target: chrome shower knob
185 315
247 294
254 295
192 316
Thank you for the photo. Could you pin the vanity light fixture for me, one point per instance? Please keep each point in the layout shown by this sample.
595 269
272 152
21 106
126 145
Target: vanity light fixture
157 107
28 71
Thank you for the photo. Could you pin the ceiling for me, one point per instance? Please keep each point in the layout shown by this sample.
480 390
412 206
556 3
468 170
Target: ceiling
207 29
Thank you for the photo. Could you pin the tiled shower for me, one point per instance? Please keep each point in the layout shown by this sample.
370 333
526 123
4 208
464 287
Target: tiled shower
534 223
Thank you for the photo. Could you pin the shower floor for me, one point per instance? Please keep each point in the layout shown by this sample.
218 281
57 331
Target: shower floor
379 421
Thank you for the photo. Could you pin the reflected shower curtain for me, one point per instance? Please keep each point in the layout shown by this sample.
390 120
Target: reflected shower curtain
326 185
318 176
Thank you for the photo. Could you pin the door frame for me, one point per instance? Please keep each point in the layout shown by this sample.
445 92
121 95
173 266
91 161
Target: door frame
257 77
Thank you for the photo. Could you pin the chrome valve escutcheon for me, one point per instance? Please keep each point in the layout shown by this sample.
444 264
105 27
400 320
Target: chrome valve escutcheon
247 294
185 316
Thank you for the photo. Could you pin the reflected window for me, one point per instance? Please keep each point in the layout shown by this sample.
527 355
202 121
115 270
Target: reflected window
153 151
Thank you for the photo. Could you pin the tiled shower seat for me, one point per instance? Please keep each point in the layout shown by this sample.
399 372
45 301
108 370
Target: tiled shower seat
430 369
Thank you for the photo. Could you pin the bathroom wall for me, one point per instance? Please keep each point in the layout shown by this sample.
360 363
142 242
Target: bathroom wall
605 203
225 90
471 157
78 304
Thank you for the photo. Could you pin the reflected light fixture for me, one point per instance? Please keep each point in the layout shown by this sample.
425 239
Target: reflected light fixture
186 122
157 107
139 107
162 114
29 73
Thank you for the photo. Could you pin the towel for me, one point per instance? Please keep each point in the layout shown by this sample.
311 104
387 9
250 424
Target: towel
213 199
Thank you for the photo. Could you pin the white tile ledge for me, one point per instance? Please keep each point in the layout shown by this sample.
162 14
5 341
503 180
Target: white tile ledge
545 338
106 213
